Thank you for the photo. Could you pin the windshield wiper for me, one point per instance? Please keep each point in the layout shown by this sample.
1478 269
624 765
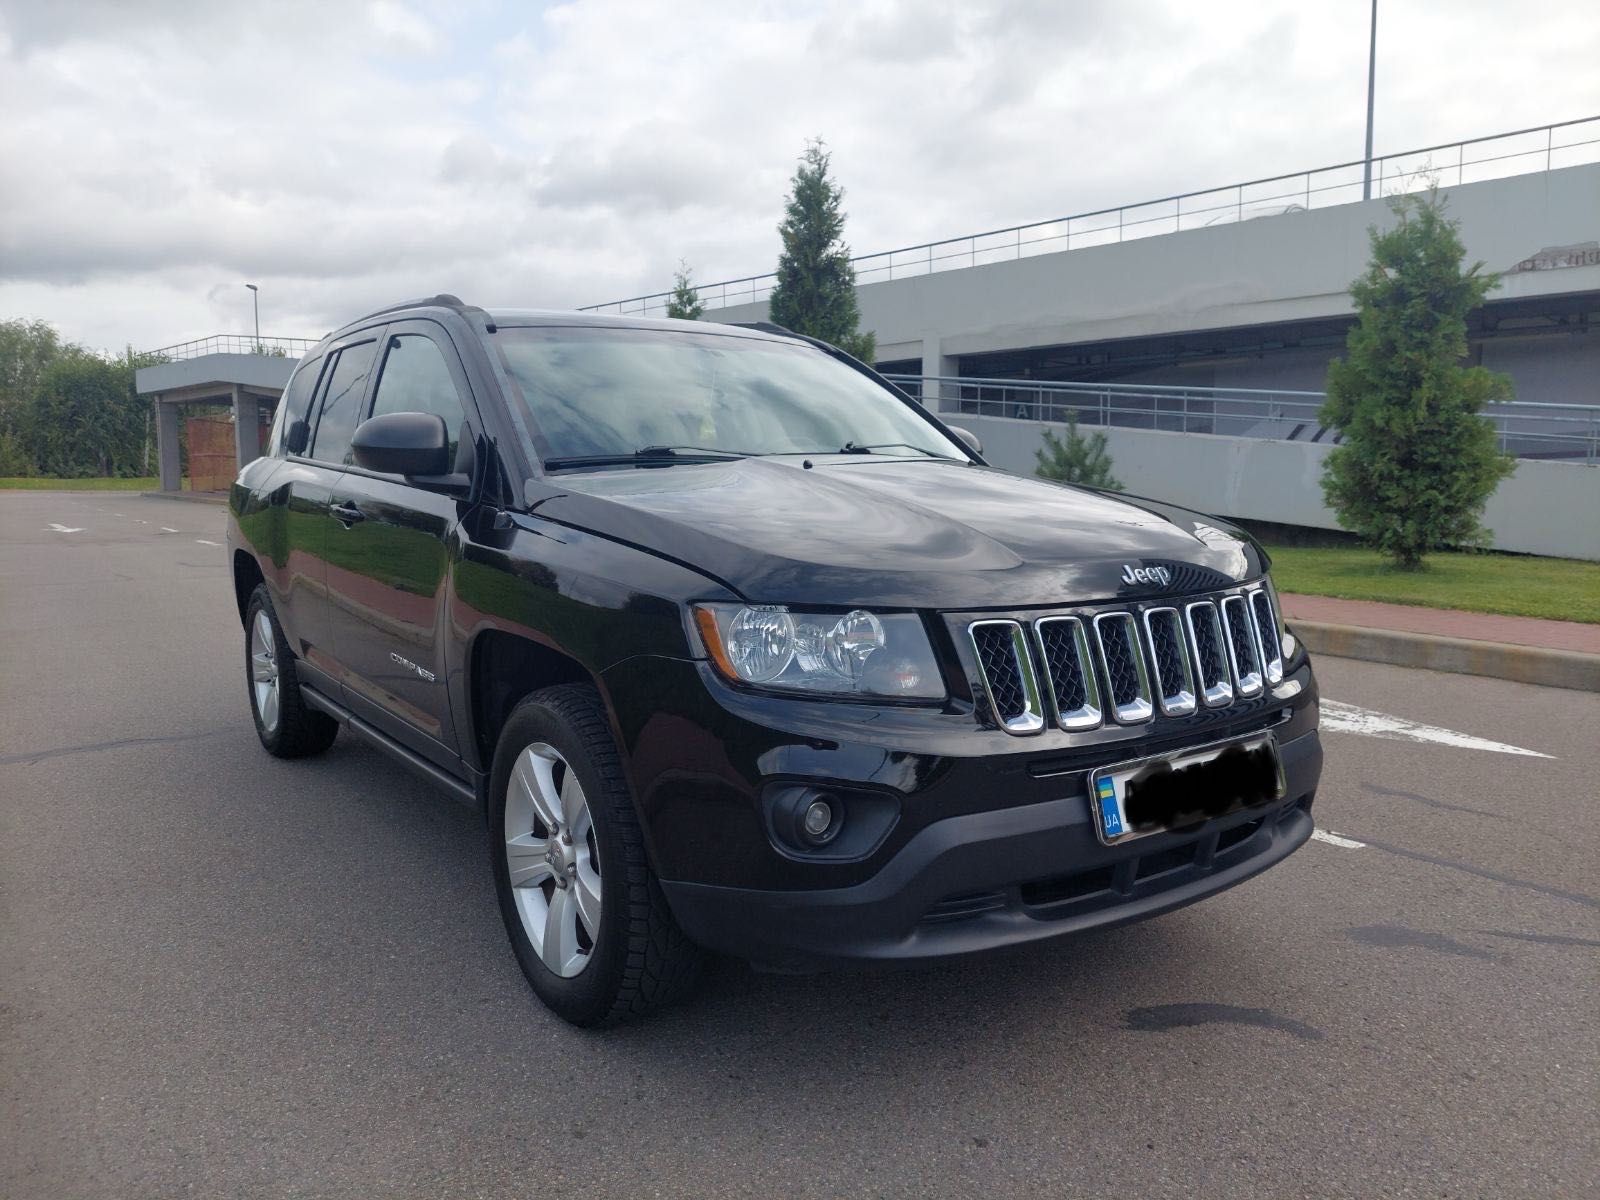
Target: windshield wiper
854 448
645 456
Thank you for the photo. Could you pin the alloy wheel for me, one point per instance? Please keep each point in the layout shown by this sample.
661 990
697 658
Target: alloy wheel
264 670
552 859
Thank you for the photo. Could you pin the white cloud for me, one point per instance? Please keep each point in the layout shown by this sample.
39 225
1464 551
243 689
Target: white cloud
402 29
154 156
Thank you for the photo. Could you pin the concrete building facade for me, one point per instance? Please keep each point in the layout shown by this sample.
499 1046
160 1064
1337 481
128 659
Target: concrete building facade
1257 303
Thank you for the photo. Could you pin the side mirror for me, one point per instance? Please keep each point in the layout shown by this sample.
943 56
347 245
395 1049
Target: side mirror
296 437
970 438
406 444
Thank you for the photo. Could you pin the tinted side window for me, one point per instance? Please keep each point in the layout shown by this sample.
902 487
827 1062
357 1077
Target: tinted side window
341 403
290 431
416 379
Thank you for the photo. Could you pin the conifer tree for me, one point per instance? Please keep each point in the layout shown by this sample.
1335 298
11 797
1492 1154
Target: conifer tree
684 303
1418 459
816 289
1077 458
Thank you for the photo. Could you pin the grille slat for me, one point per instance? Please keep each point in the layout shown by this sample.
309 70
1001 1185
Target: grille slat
1210 656
1069 672
1261 610
1243 653
1174 680
1008 679
1127 682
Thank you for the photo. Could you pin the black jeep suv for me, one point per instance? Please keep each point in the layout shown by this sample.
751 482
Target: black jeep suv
737 647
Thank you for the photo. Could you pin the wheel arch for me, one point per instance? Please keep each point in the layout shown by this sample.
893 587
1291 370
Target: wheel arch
502 669
247 577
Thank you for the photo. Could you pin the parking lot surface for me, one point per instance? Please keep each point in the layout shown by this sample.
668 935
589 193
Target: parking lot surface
222 974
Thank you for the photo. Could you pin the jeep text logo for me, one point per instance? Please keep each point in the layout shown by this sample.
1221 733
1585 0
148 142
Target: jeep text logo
1156 575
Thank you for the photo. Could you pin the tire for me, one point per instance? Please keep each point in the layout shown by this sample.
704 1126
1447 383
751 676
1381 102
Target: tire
289 727
638 959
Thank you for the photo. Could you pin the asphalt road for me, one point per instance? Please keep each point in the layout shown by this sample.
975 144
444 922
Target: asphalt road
221 974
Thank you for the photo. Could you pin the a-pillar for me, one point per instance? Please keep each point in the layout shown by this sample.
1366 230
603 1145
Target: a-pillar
167 417
934 366
246 427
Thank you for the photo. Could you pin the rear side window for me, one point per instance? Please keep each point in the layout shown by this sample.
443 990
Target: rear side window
416 378
290 431
341 403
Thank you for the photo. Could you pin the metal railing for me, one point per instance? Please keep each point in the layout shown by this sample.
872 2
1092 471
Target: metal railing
1523 151
237 343
1568 432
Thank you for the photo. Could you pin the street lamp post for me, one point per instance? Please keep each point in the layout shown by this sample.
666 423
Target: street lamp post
1372 72
255 292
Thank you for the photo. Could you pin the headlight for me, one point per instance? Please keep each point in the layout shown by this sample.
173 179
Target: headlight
857 653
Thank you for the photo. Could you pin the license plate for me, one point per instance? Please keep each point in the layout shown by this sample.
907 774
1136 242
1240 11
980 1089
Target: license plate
1177 791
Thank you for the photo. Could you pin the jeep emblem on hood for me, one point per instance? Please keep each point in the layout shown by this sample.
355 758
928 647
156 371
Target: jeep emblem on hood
1155 575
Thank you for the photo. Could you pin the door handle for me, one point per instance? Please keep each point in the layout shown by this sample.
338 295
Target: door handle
347 514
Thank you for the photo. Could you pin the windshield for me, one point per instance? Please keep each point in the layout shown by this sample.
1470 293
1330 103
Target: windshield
603 392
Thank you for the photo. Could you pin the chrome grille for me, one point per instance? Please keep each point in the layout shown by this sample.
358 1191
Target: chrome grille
1126 665
1267 630
1127 681
1243 653
1068 669
1210 656
1174 680
1008 680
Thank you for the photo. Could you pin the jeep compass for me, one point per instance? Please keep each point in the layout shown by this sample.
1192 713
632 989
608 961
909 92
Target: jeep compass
738 648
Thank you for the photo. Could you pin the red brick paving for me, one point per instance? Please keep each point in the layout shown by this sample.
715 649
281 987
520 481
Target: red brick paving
1445 622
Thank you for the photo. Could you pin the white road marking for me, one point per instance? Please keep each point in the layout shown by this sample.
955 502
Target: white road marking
1347 718
55 528
203 542
168 529
1335 839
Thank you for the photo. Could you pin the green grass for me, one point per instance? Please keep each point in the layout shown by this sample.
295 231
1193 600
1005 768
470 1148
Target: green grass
1561 589
39 483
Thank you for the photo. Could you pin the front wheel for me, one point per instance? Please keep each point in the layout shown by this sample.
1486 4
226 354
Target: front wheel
585 915
287 725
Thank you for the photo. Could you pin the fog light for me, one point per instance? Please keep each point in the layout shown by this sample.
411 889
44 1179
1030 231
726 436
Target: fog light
818 820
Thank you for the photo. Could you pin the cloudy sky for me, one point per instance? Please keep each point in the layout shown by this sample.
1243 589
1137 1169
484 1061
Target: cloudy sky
156 154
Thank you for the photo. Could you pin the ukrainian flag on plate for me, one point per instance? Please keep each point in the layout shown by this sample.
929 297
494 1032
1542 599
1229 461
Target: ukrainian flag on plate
1110 810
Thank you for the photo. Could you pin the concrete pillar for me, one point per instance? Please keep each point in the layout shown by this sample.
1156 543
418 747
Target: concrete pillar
167 417
246 427
934 363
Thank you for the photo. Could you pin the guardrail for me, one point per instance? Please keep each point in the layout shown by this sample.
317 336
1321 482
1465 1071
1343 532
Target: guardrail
1569 432
1522 151
237 343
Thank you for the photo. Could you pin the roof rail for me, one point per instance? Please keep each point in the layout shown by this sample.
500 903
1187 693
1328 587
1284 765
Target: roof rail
442 300
766 327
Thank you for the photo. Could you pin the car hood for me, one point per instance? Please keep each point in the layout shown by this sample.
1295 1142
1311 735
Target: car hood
900 533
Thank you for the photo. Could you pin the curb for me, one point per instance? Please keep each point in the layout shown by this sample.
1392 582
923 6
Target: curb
189 497
1523 664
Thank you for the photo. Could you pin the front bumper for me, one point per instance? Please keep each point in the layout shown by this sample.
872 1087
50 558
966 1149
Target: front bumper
1002 877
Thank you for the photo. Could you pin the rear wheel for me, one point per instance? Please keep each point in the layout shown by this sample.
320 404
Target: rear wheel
287 725
585 915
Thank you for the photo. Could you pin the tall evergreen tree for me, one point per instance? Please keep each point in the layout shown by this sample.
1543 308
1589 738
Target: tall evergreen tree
1077 458
684 303
816 289
1419 459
